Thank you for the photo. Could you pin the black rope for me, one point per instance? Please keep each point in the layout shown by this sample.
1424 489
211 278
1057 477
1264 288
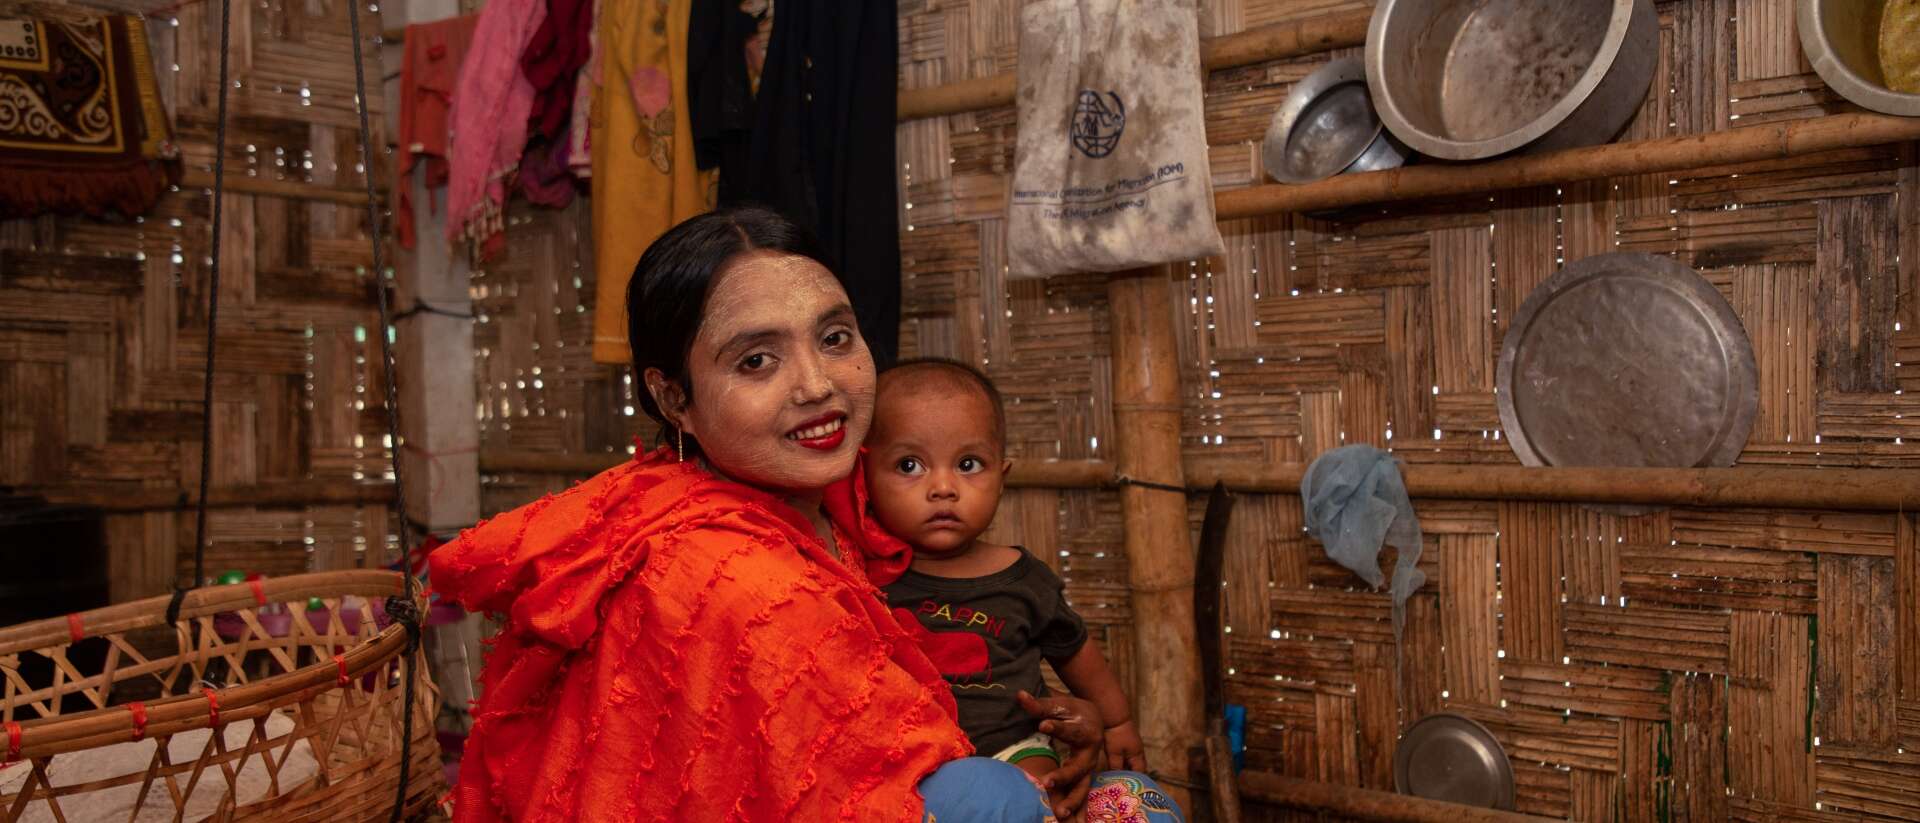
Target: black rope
1124 480
428 308
213 316
401 609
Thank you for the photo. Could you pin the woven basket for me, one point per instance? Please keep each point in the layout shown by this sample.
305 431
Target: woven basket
318 689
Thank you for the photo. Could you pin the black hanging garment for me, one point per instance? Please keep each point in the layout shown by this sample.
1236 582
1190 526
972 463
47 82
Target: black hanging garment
720 90
820 150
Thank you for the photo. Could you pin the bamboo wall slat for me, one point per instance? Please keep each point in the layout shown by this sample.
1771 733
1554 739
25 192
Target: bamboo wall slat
1611 653
103 322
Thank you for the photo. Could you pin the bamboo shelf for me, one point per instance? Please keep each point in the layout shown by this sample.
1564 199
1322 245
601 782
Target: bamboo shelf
1748 144
1274 42
294 493
1738 486
1366 804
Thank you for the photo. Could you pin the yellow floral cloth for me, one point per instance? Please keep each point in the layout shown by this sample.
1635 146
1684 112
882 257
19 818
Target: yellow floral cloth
644 177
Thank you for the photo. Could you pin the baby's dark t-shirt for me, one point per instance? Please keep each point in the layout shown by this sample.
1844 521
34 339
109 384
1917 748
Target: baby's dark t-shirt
987 636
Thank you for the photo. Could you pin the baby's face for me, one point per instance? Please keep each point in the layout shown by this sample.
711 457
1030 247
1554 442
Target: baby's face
934 467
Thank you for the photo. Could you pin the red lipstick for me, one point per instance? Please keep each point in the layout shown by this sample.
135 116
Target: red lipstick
823 433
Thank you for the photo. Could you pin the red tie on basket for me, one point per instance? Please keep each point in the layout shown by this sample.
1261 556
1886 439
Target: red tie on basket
139 711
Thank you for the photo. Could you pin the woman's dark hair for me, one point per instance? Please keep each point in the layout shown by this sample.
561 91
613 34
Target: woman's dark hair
667 296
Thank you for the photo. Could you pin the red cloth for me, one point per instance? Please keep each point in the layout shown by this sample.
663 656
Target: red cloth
886 557
427 72
681 647
552 63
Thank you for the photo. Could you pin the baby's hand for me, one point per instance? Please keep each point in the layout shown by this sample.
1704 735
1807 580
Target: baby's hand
1124 749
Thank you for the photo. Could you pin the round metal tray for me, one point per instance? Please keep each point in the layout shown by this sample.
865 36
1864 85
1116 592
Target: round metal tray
1452 758
1627 360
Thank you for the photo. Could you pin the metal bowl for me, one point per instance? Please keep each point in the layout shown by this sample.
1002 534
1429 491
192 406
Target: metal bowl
1451 757
1842 39
1327 126
1468 79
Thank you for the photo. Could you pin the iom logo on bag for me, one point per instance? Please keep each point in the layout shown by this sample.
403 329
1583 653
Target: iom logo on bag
1097 123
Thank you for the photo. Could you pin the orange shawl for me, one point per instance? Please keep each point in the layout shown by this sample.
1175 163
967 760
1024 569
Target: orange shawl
680 647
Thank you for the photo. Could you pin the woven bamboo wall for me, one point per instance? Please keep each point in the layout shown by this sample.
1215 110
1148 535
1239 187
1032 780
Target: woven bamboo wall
538 387
1695 664
103 322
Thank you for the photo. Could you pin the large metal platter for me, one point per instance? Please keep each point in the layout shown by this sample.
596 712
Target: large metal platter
1452 758
1627 360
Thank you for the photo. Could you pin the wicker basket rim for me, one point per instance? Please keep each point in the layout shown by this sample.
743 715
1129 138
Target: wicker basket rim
152 611
72 732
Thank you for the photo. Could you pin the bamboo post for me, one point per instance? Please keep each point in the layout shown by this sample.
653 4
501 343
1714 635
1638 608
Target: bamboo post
1146 403
1367 804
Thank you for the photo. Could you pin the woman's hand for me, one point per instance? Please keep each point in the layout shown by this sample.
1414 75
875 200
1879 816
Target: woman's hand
1076 724
1124 749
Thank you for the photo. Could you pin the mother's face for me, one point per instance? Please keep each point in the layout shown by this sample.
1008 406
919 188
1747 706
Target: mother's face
782 382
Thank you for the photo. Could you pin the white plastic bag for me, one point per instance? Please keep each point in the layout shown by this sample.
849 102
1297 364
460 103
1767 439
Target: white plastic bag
1110 169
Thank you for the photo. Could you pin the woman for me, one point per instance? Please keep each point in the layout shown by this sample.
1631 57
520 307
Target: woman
691 635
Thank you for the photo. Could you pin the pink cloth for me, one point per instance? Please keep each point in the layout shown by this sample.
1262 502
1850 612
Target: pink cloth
489 123
579 138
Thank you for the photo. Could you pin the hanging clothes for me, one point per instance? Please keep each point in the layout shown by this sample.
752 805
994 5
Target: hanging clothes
428 71
552 63
726 52
579 140
822 150
491 104
544 177
644 177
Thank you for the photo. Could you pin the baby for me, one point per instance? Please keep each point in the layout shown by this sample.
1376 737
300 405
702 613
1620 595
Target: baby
936 463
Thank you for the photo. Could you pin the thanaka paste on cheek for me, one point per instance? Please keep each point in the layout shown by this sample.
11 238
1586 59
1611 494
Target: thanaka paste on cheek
742 419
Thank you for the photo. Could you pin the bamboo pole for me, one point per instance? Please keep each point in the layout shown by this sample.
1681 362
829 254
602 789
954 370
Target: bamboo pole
1773 487
1146 402
284 493
1274 42
1367 804
1747 144
1738 486
497 461
1027 474
290 189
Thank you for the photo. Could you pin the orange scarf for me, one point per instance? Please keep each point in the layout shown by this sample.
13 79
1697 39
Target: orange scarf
680 647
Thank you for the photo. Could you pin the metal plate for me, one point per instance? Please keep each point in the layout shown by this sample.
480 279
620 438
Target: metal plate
1450 757
1627 360
1326 125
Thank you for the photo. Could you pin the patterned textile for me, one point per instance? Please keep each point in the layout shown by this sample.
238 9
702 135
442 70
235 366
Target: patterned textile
680 647
1129 797
82 129
978 790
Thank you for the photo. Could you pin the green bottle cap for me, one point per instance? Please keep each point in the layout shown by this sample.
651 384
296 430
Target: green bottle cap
231 577
315 604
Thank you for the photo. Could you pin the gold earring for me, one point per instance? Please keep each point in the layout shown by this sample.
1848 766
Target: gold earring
679 445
